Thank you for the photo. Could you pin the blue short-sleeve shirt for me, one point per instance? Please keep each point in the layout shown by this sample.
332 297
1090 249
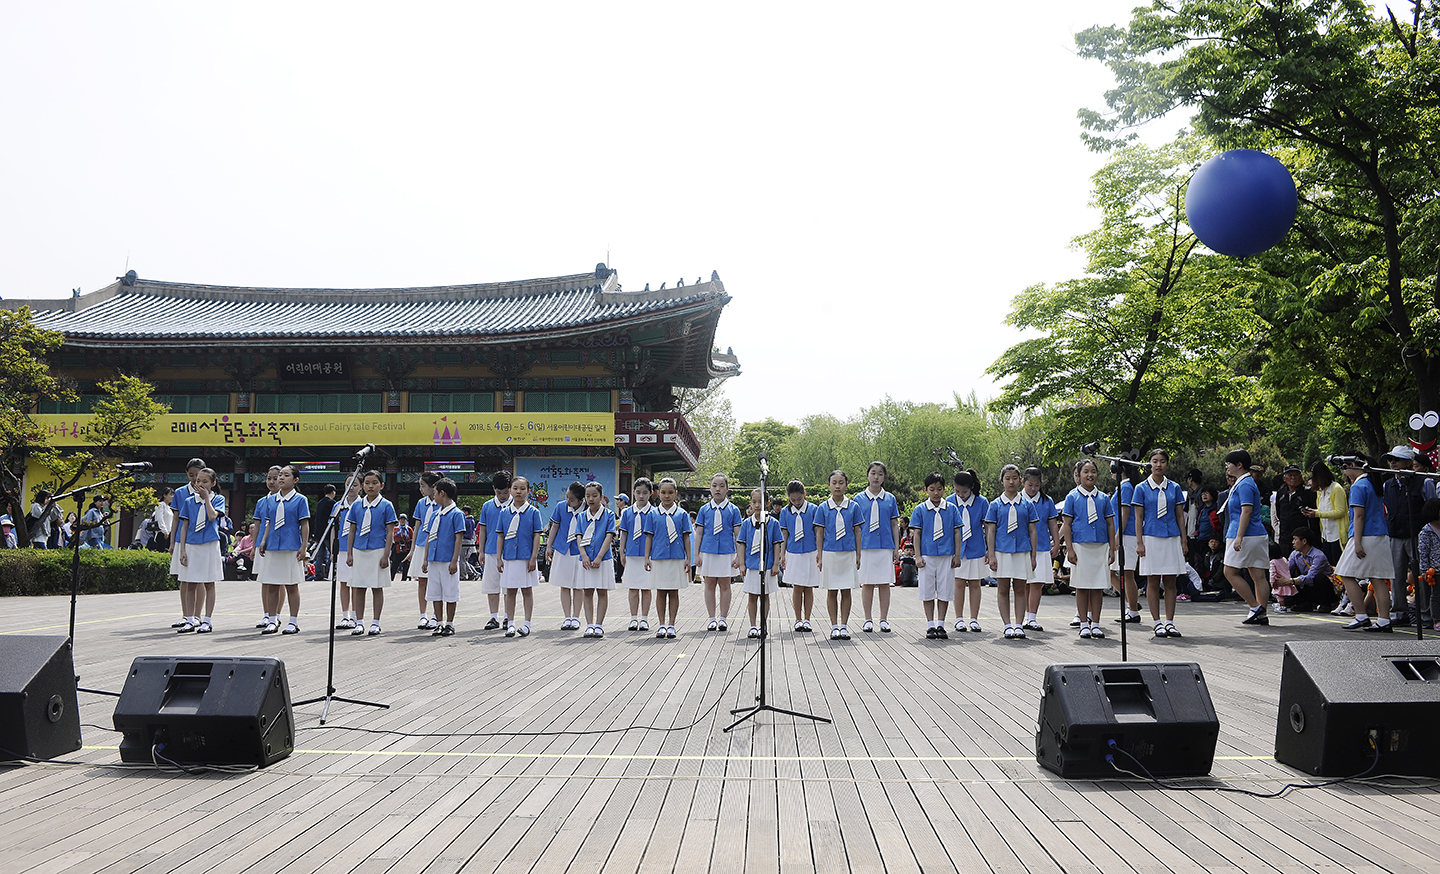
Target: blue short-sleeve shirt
972 538
882 537
1147 497
923 517
285 533
633 524
998 514
773 535
849 515
445 523
519 547
1123 498
1364 495
593 530
1243 493
193 511
423 508
490 518
724 542
1077 507
1045 510
799 528
661 548
381 515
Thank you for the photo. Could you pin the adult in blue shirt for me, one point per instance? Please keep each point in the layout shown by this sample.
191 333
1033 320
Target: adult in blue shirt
1367 554
1247 545
99 511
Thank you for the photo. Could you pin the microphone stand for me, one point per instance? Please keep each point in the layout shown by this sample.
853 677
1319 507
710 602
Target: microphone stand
1090 450
79 495
334 593
763 703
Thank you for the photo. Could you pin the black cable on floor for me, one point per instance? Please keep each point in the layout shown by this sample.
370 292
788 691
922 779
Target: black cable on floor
1146 775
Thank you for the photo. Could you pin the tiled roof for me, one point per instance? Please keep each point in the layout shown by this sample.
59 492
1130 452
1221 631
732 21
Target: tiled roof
146 311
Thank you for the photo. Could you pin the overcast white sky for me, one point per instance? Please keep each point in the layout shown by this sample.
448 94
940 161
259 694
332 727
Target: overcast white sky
872 182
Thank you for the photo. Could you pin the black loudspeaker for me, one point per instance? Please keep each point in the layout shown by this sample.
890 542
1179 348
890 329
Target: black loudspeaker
1158 713
39 716
211 711
1337 697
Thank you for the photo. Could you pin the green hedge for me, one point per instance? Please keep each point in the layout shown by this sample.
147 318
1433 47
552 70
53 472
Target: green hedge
102 571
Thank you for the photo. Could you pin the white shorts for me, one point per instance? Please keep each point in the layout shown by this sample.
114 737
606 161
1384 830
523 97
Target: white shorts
367 573
1377 564
1090 570
635 576
717 565
669 574
800 570
442 585
602 577
1013 566
516 575
283 569
877 567
838 572
1255 552
1163 557
935 580
1128 543
562 570
490 583
972 569
203 564
754 581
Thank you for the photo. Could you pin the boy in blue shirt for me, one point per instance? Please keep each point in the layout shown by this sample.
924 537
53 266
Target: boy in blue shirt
423 508
282 546
487 535
933 525
446 533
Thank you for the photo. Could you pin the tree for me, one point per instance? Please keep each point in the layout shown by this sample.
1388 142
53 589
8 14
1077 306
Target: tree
1353 95
1137 352
24 378
712 420
770 437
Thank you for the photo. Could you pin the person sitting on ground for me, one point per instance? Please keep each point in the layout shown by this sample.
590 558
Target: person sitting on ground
1311 572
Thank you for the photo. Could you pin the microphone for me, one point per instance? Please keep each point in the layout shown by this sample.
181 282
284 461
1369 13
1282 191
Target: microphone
365 450
1345 459
1090 448
133 466
764 465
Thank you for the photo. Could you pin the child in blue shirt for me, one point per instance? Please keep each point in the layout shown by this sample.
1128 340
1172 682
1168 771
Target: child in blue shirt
1367 552
934 524
1047 545
1246 545
799 553
200 561
596 576
371 525
970 508
282 545
423 508
562 551
837 530
1089 533
1123 502
669 555
1010 547
487 535
879 544
446 532
340 531
177 500
718 525
760 537
633 524
519 553
1160 539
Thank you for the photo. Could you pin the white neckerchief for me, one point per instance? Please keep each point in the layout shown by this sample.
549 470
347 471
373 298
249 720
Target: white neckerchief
1162 498
875 502
1014 520
669 515
365 522
715 509
965 506
938 532
574 531
200 519
435 520
589 534
513 529
280 499
839 517
635 522
1090 510
800 520
759 533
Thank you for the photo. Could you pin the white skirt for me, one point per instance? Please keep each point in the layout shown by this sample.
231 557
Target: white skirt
635 576
717 565
973 569
1013 566
175 560
1132 561
283 569
1376 565
1255 552
800 570
562 570
602 577
877 567
1089 570
203 564
1163 557
838 572
517 575
367 573
490 582
669 574
757 583
1044 568
343 571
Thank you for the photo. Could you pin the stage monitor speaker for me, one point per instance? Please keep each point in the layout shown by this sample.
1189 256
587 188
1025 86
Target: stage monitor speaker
1338 696
1160 713
39 716
206 711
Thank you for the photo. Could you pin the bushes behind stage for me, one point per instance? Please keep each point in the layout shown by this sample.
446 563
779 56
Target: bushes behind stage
102 571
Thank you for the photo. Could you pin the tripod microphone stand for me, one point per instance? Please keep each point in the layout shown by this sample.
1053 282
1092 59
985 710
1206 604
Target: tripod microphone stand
763 704
334 592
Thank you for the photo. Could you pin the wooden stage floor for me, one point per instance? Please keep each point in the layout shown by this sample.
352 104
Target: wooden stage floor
928 766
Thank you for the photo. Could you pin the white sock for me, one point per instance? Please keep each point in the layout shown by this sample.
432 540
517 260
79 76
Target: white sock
495 616
1361 617
1029 617
1129 612
1382 622
929 623
207 618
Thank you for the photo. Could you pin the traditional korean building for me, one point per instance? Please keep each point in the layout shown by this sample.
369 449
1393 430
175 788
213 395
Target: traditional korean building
569 377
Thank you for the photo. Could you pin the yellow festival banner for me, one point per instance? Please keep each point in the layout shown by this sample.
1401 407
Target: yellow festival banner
344 429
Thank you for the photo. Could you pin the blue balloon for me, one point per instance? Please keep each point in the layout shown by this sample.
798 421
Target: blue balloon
1241 202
